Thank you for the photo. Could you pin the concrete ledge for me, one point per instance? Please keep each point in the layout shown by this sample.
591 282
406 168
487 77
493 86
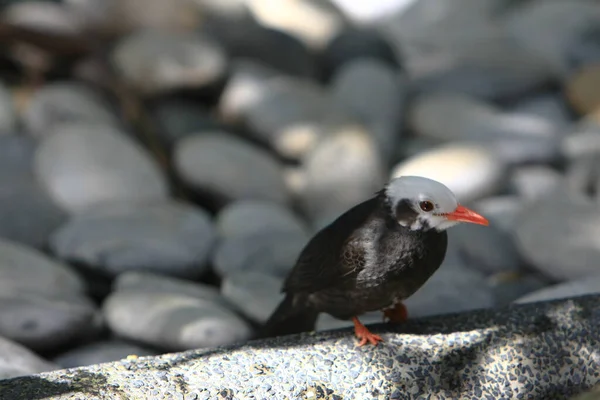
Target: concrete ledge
535 351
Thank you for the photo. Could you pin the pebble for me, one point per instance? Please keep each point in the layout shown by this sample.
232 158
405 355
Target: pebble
82 165
290 115
585 49
179 118
453 288
17 360
173 321
155 62
273 253
503 212
8 118
313 23
583 140
255 294
549 105
533 182
487 248
375 94
551 28
58 103
44 16
27 212
471 172
559 236
357 44
510 286
342 170
150 282
44 322
100 352
587 285
172 238
580 90
229 168
23 269
253 217
514 138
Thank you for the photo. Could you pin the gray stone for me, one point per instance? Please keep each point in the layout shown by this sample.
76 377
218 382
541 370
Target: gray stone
488 249
509 286
550 106
533 182
250 217
255 294
55 104
45 16
551 28
8 118
502 211
172 321
510 352
273 253
514 137
154 61
44 322
27 212
587 285
583 140
16 360
172 238
559 235
82 165
100 352
291 115
344 169
150 282
470 171
375 94
23 269
229 168
453 288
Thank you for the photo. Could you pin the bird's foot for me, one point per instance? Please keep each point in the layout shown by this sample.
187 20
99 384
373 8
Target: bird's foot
363 333
396 314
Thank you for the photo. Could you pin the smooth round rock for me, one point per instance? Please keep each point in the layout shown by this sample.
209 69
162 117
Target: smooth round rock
560 236
290 115
453 288
470 171
273 253
584 139
581 90
250 217
150 282
510 286
101 352
42 16
173 322
44 322
8 117
357 43
156 62
168 237
344 169
255 294
533 182
502 211
82 165
487 248
229 168
66 102
17 360
580 287
551 106
23 269
375 94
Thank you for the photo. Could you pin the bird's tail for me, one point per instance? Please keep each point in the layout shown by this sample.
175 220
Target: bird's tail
288 318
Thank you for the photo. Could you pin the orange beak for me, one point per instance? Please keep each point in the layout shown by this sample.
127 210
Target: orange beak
463 214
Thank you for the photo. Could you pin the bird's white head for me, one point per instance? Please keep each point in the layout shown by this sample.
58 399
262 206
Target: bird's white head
420 203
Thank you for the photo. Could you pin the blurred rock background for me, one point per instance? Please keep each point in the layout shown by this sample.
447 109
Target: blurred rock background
162 163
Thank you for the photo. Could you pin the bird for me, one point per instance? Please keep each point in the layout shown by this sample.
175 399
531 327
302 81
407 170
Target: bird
371 258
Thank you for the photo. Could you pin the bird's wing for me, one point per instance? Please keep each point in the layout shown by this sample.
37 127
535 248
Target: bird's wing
334 256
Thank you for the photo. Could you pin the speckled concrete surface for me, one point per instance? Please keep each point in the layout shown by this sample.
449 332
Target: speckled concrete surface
535 351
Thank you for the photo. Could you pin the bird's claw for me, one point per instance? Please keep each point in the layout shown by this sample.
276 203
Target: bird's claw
363 333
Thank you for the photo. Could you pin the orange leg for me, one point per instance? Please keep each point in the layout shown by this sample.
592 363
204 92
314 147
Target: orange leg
396 314
363 333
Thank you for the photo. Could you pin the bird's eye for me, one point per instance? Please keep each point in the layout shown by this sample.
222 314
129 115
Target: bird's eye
426 206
